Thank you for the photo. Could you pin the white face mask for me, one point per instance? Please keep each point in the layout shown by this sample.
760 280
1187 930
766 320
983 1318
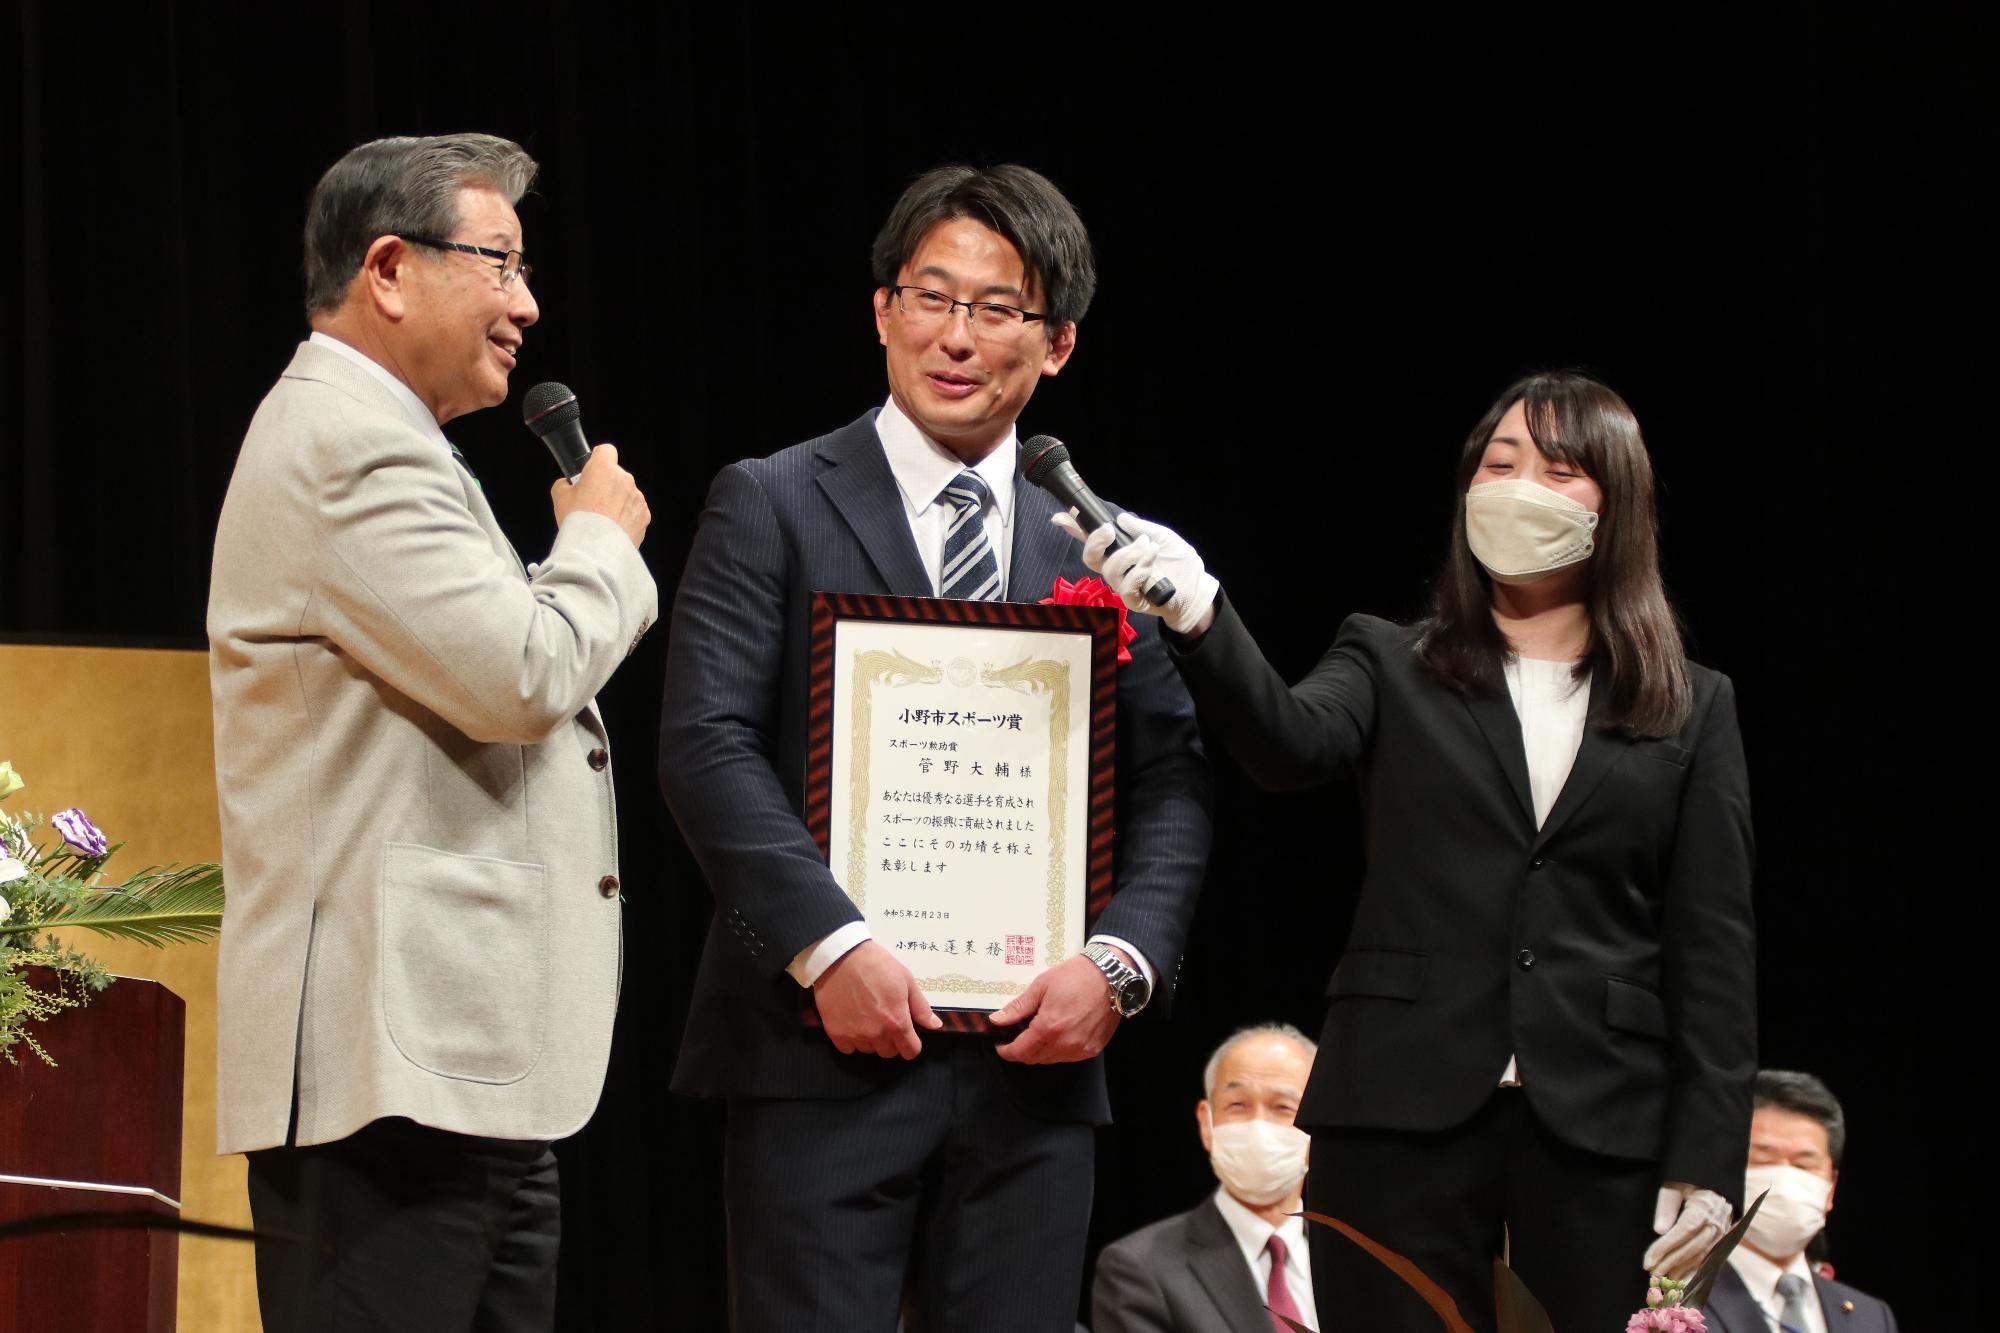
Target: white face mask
1793 1212
1259 1161
1521 531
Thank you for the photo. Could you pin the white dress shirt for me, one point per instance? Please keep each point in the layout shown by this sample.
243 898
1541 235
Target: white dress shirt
1552 707
1760 1276
923 468
1253 1233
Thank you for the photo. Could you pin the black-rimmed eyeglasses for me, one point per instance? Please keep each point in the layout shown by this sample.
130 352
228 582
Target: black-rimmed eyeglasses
512 264
989 317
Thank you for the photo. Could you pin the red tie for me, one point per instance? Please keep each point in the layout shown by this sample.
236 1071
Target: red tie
1277 1295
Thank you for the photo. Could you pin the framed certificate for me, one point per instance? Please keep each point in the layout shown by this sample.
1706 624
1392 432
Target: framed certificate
959 781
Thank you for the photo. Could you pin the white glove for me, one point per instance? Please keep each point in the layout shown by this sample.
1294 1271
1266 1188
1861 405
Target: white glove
1156 552
1689 1221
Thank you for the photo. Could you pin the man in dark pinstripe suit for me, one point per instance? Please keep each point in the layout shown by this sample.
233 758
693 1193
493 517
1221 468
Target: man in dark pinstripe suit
877 1165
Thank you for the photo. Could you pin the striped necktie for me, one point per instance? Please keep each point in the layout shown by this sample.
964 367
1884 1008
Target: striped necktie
970 571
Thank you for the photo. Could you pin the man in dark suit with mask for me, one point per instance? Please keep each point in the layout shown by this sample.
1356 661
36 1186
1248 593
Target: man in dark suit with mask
878 1159
1798 1135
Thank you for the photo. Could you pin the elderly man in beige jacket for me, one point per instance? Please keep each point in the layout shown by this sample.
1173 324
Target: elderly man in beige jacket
420 957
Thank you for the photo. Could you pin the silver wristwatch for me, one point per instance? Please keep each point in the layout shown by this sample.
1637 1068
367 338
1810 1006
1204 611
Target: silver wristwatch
1129 988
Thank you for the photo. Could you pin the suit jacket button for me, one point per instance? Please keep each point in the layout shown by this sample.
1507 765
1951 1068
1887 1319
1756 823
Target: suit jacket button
598 758
1526 958
608 886
1535 864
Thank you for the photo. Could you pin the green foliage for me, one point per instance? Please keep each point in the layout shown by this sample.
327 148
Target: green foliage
1515 1309
21 1002
161 905
54 889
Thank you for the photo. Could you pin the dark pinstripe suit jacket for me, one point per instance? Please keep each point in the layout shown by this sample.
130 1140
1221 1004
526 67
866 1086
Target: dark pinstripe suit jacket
826 516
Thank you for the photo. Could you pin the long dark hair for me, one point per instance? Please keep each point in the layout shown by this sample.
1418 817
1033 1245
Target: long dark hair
1635 651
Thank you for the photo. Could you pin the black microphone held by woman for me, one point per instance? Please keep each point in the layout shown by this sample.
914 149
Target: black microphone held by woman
1045 462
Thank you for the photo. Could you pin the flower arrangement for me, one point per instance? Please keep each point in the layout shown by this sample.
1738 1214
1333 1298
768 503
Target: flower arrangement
1664 1312
55 886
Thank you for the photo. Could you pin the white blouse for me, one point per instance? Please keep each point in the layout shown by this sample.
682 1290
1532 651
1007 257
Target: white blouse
1551 706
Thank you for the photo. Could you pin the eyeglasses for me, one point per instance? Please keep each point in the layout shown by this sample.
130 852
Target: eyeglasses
512 264
990 319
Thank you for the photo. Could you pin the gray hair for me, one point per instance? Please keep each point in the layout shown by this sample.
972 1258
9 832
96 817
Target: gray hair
1255 1030
399 185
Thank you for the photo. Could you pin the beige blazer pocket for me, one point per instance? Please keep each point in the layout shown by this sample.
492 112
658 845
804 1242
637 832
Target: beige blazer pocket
464 959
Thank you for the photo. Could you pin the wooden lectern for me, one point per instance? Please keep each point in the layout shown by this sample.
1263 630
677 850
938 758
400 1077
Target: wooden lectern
100 1132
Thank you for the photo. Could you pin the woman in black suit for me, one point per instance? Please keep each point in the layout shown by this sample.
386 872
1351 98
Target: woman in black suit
1542 1033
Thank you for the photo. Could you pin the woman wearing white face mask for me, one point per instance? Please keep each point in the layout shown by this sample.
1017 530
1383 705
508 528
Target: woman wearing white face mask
1544 1024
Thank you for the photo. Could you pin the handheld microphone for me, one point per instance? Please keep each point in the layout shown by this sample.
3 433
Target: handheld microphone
1045 462
550 410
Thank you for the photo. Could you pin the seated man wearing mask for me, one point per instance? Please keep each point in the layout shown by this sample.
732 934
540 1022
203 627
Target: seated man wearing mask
1236 1261
1797 1136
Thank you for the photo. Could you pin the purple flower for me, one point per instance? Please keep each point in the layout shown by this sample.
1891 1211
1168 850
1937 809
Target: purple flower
79 832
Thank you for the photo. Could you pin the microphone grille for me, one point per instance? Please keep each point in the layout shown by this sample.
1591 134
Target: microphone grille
549 405
1041 455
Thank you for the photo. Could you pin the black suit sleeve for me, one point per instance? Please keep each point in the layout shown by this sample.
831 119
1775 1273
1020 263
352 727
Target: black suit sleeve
1126 1296
1709 958
1284 736
719 724
1164 823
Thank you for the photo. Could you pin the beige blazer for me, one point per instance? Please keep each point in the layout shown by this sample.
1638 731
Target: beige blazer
417 820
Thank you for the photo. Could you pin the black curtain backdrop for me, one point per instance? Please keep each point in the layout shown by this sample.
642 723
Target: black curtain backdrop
1326 243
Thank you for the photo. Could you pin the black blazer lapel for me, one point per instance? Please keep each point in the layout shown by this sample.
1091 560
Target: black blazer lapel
1040 552
1501 726
1596 755
863 491
1217 1263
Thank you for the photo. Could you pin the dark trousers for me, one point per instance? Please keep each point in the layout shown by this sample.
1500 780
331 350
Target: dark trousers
935 1197
410 1228
1576 1224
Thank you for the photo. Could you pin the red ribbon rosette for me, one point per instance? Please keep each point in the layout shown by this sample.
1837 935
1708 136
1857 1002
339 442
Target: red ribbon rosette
1094 591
